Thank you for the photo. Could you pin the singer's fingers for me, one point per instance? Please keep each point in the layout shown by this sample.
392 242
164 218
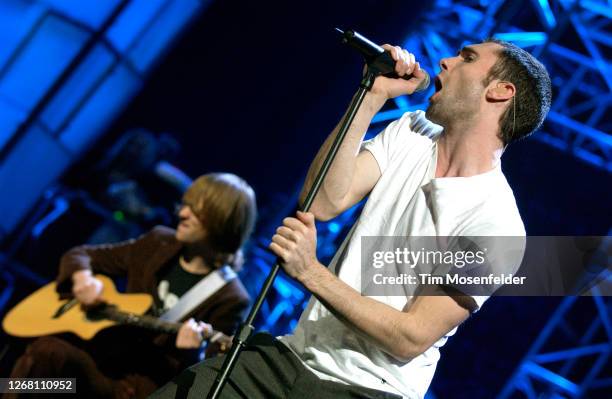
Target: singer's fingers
410 64
307 218
295 225
281 241
418 72
279 251
400 65
391 50
399 62
398 50
287 233
406 56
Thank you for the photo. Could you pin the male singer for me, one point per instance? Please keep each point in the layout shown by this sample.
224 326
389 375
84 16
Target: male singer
421 179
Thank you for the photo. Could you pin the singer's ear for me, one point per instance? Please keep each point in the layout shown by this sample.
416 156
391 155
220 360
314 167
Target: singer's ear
500 91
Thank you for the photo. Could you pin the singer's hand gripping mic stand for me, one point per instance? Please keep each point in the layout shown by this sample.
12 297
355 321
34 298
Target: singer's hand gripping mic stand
246 329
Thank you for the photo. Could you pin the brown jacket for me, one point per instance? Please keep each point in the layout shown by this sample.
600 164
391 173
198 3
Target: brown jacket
143 261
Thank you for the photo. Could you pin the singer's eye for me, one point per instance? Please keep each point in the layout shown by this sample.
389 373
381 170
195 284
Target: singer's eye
467 54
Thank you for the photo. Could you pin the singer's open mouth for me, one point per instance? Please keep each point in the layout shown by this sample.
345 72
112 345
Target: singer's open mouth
438 84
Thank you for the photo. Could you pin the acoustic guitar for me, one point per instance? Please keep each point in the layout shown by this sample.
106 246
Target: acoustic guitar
44 313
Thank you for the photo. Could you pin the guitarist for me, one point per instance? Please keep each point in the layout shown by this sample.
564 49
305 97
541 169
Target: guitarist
217 216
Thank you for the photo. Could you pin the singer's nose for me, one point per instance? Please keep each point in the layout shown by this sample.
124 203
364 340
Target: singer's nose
444 63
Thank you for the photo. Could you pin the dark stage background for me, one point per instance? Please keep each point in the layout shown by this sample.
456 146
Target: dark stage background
254 88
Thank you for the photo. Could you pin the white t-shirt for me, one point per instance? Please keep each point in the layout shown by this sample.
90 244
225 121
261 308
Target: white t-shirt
406 201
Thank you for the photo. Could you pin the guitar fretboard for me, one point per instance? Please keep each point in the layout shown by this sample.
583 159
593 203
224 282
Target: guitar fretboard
144 321
111 312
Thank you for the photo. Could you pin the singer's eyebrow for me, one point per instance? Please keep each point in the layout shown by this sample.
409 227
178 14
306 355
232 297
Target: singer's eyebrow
468 50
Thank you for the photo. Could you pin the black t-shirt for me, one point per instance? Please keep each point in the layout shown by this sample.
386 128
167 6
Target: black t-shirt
175 282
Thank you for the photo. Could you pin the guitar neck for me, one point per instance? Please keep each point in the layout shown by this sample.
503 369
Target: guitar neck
147 322
144 321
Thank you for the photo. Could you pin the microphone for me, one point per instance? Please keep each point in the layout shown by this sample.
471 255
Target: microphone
376 57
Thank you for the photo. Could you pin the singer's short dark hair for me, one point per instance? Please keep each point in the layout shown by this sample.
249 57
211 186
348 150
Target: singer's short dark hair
532 97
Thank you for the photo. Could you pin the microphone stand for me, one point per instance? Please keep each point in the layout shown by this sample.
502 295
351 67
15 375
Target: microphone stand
246 329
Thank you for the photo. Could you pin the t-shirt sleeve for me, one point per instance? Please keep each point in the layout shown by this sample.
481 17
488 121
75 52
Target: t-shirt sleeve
402 132
479 300
382 145
494 256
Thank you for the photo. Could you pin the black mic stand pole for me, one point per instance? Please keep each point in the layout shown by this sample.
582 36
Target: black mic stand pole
246 329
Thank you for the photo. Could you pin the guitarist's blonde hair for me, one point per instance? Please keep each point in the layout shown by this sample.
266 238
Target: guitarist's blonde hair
225 205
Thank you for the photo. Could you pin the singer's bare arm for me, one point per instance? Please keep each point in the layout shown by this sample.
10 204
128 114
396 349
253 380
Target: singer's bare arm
353 174
402 334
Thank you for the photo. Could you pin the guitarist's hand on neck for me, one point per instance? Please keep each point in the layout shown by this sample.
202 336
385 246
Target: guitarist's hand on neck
86 288
192 333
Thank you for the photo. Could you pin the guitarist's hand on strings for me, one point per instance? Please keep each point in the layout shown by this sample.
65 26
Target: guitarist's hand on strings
192 333
86 288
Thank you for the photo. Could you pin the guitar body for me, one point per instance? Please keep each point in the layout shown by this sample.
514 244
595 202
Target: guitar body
34 316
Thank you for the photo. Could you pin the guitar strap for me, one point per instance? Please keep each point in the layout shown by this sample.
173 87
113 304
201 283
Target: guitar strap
200 292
